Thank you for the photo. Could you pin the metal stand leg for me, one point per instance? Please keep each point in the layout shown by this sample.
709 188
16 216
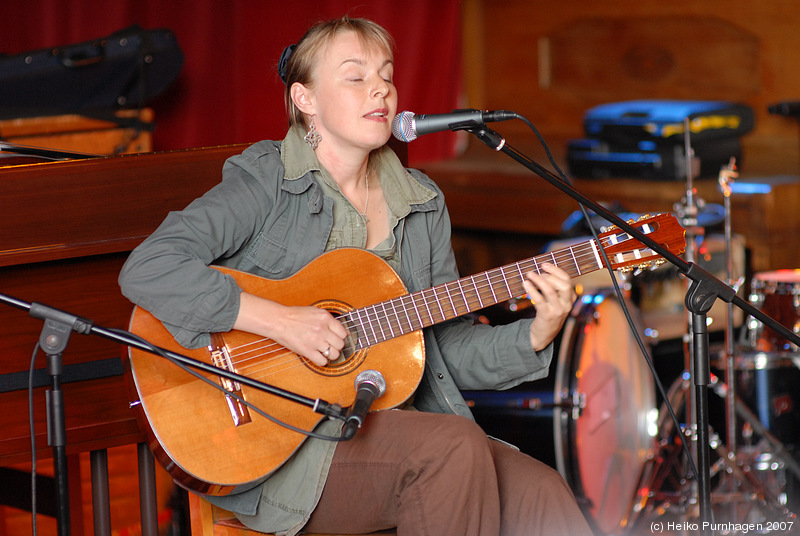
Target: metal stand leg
147 491
101 504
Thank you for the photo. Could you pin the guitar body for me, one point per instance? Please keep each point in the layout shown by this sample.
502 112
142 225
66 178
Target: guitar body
191 426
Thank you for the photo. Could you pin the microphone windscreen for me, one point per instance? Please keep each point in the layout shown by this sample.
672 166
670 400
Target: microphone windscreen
374 378
403 127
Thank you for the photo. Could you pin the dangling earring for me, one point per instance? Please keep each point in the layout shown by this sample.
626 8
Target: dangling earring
313 137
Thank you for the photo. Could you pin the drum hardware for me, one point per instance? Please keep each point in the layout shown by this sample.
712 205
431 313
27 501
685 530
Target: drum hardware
575 403
751 487
755 426
751 477
704 290
776 293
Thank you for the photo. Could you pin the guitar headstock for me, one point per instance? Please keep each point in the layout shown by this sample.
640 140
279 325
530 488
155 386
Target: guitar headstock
625 253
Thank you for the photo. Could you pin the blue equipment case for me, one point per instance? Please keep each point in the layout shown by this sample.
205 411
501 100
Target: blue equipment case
645 138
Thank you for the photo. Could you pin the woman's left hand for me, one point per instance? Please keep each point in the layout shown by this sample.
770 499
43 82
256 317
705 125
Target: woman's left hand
553 295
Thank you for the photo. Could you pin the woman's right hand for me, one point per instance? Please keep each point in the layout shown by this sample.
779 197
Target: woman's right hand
308 331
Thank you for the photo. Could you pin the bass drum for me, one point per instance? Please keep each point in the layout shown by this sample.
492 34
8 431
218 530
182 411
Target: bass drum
593 418
603 441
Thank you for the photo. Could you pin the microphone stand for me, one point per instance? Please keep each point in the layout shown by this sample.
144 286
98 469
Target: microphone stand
700 297
58 326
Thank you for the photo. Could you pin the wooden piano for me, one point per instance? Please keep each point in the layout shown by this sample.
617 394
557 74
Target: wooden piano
68 227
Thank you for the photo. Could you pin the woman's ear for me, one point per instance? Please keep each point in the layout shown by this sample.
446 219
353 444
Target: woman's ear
302 98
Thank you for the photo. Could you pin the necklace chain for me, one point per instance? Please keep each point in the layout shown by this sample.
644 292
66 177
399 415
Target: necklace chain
366 202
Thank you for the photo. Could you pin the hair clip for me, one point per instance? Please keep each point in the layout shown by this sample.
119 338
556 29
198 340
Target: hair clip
285 55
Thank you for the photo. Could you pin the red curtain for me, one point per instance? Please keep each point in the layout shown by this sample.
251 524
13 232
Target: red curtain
228 90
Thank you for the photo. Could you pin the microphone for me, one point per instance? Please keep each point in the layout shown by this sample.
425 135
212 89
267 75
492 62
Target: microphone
408 126
370 385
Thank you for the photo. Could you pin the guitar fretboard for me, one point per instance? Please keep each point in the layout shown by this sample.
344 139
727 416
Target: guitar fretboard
411 312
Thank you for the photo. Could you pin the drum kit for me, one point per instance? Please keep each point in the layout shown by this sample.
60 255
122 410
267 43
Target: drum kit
613 438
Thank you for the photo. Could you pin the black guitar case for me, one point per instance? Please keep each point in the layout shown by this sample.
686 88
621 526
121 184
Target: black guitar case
123 70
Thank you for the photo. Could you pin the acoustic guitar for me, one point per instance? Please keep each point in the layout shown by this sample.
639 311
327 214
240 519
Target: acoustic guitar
211 443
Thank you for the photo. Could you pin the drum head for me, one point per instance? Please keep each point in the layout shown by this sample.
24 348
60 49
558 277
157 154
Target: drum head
782 281
602 449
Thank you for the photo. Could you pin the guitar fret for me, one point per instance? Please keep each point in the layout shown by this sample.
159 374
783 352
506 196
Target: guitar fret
361 330
388 320
379 325
491 288
402 309
416 319
416 310
477 292
521 276
463 296
450 298
371 324
399 321
438 305
349 321
575 261
441 291
371 329
427 309
592 247
507 283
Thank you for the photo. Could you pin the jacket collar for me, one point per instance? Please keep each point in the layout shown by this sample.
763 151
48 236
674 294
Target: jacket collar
404 193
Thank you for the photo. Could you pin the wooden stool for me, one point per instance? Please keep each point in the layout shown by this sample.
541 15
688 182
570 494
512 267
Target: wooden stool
210 520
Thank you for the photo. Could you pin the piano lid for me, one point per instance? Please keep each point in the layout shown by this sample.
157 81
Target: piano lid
96 205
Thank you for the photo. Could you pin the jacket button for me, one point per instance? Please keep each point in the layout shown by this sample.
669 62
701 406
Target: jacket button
440 376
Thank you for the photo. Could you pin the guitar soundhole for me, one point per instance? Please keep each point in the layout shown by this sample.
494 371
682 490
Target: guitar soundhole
352 355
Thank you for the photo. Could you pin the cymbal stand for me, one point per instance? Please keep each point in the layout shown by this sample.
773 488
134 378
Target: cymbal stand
699 432
726 176
688 211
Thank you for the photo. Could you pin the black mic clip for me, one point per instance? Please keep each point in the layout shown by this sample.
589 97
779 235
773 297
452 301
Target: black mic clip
487 136
466 125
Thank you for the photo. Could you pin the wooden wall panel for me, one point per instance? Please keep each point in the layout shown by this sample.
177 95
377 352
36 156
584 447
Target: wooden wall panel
551 61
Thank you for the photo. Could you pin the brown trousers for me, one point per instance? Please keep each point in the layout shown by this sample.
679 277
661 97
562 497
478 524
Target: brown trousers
437 475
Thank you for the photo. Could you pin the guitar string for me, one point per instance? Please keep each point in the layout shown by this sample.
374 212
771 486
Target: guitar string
490 277
585 253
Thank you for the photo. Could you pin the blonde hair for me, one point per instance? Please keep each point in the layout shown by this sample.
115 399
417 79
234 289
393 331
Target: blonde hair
300 65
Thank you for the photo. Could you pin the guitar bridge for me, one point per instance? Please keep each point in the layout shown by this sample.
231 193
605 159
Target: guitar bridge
221 358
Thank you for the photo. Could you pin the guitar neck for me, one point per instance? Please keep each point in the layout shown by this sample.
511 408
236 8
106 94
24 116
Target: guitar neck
411 312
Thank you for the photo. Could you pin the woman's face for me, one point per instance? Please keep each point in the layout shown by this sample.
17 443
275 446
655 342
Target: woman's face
353 97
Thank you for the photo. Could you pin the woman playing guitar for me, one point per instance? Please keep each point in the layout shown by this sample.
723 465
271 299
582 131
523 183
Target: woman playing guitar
332 183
